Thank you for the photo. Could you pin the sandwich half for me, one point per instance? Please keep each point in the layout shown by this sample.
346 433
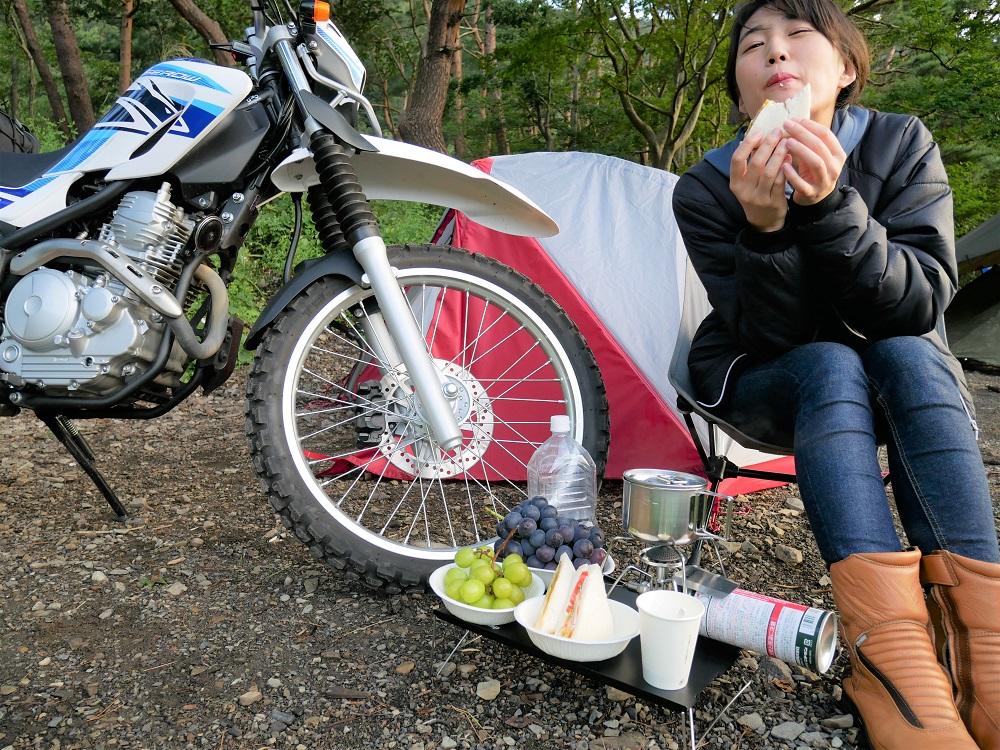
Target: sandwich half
554 608
588 614
773 115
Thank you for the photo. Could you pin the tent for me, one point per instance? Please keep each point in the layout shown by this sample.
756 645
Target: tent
619 270
973 319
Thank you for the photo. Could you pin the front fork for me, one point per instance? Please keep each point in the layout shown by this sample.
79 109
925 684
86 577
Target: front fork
393 333
405 342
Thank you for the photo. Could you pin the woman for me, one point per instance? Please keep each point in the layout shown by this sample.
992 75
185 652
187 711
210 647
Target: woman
827 250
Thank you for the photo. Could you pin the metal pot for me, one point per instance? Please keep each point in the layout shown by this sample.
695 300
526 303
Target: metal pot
666 506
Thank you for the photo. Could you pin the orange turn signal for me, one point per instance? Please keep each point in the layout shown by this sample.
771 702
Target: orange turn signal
321 11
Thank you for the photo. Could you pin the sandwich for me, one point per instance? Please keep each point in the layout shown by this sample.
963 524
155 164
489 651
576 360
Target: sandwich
556 598
576 604
773 115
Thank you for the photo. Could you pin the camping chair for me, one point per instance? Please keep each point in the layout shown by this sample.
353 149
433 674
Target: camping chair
717 466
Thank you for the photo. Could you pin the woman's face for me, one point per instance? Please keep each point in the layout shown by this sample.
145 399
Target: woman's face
777 56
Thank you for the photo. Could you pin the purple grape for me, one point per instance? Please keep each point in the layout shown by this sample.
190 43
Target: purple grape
530 511
502 529
537 538
580 532
598 556
553 538
527 549
564 550
539 502
496 545
511 520
526 528
549 511
580 562
545 553
597 537
534 562
583 548
565 531
550 566
547 524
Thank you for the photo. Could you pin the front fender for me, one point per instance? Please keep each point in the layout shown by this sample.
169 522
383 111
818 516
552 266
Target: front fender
339 264
402 171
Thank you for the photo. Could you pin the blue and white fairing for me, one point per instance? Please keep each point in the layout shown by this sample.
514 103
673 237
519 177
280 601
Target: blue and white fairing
187 98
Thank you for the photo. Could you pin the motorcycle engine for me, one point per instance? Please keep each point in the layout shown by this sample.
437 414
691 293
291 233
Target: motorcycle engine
86 331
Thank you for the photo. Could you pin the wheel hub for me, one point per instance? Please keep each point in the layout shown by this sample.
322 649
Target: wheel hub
406 442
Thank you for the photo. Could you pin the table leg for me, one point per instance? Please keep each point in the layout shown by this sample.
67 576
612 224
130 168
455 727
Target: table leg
457 646
693 740
721 713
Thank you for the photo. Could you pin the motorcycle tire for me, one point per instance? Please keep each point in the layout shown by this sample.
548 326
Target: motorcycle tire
339 443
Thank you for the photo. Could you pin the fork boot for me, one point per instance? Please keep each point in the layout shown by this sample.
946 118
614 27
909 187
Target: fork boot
896 687
964 605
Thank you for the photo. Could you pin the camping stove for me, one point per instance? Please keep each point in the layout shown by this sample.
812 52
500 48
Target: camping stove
664 566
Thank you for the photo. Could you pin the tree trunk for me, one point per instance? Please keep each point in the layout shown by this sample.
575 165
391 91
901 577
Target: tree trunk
456 73
125 54
494 92
44 72
421 122
205 25
14 76
71 65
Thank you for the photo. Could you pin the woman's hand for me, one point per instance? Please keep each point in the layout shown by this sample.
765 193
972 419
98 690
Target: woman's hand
758 182
818 161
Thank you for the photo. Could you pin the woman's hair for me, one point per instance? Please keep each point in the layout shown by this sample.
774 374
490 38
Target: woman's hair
828 19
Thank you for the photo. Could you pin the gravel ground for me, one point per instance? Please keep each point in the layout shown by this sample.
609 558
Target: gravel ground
202 623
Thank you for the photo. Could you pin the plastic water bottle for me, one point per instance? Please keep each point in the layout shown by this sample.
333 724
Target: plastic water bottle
563 473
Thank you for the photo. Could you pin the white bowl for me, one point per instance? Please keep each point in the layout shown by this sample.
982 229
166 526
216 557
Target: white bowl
478 615
547 575
626 622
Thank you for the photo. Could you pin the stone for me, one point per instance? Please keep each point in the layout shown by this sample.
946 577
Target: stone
311 585
775 669
794 503
406 667
447 743
836 742
98 577
466 669
176 589
630 741
753 721
788 730
105 614
8 689
615 694
788 554
749 548
843 721
488 689
824 580
815 739
284 717
273 682
250 697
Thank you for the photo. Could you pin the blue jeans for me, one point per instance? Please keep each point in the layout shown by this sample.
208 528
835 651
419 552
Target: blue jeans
835 401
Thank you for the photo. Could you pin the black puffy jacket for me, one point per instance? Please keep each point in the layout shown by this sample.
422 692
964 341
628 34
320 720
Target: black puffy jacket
874 259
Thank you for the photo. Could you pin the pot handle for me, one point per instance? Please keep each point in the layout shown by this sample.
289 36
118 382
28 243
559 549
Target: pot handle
727 521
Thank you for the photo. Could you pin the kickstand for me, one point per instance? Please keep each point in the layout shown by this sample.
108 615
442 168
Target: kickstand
67 434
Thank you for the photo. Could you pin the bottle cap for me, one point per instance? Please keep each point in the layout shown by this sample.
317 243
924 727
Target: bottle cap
559 423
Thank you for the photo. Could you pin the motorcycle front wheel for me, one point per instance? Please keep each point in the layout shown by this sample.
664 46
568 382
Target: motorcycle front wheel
338 438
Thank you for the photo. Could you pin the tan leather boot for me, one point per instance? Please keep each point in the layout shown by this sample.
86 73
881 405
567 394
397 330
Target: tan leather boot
965 609
898 690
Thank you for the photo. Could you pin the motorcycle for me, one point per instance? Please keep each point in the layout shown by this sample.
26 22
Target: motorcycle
396 393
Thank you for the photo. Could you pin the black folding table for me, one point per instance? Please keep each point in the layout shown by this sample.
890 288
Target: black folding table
711 658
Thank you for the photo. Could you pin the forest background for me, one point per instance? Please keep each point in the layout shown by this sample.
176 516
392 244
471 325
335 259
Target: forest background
642 80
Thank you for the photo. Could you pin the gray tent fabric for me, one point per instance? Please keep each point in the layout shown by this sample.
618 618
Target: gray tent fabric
977 248
973 322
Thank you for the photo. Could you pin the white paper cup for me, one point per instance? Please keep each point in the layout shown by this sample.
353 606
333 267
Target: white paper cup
668 632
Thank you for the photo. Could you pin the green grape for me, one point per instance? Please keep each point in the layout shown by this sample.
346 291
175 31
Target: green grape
512 559
479 562
502 588
453 589
503 604
465 557
486 602
472 591
517 595
484 573
487 551
456 574
519 575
